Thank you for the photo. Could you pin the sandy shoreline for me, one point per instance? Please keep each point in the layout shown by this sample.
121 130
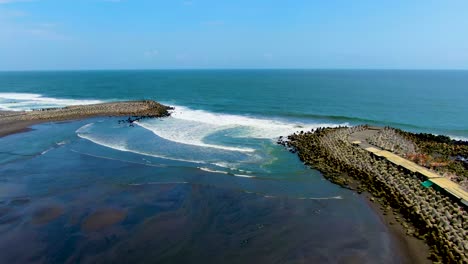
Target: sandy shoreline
16 122
8 128
416 250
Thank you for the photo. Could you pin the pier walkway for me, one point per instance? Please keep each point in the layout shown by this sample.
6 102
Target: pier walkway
359 139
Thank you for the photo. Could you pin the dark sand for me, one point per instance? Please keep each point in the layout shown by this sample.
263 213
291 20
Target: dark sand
8 128
416 249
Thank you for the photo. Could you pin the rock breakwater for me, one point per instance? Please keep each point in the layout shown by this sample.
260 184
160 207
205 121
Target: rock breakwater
434 217
12 122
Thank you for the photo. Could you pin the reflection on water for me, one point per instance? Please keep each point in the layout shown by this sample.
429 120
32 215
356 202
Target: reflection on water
181 223
106 206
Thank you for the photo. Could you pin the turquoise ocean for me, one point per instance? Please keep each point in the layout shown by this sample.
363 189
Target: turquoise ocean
208 184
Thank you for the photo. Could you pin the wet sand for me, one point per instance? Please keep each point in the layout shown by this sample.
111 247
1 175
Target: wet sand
15 122
8 128
415 249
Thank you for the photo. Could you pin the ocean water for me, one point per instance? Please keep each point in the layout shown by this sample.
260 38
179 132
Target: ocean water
207 184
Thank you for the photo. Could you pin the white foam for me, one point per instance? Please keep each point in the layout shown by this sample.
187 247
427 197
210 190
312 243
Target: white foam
459 138
322 198
253 127
61 143
229 166
243 176
225 172
30 101
47 150
19 96
85 128
189 134
192 127
222 164
208 131
210 170
156 183
122 146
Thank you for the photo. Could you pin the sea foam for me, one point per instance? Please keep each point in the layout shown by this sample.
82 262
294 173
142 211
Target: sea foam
30 101
227 143
192 127
85 132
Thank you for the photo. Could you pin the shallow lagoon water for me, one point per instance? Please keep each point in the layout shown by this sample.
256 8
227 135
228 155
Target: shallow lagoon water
80 201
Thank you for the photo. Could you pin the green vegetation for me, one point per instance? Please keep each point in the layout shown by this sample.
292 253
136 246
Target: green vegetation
450 155
440 153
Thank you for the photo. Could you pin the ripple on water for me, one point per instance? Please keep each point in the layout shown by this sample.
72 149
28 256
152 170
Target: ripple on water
4 211
19 201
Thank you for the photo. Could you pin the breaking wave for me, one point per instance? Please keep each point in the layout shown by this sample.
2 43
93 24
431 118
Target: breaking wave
194 127
30 101
224 143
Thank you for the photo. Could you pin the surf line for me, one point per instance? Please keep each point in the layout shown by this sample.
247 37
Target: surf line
225 172
338 197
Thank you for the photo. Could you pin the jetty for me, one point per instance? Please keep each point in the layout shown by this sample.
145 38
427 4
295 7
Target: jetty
359 159
17 121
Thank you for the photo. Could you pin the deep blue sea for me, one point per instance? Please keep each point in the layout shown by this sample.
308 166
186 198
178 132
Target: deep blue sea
208 184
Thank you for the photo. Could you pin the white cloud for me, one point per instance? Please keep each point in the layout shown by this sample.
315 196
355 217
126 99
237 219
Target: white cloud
11 14
13 1
10 30
14 26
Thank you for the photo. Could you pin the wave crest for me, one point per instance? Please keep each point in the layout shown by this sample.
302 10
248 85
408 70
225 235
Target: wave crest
31 101
194 127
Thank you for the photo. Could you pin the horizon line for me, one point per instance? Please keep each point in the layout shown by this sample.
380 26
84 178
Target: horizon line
234 69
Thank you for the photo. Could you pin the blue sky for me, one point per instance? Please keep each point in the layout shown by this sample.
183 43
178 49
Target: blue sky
152 34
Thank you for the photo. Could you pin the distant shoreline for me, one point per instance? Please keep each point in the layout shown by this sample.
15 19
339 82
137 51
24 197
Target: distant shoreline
12 122
231 69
